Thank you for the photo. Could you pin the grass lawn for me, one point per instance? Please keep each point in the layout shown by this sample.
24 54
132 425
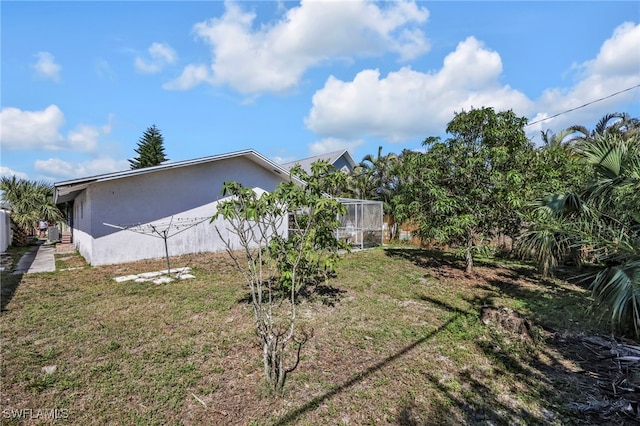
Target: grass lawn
399 339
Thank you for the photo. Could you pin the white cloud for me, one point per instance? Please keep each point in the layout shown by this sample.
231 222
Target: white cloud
282 160
274 57
46 66
6 171
326 145
41 131
160 55
407 103
83 138
57 169
620 54
31 129
191 76
615 68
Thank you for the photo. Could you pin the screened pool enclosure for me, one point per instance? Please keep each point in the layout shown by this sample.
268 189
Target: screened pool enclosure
362 225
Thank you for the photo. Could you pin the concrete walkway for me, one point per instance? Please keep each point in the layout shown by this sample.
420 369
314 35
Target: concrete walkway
38 259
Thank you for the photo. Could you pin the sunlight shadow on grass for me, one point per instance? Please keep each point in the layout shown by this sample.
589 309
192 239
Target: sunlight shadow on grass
480 405
10 283
426 258
358 377
446 306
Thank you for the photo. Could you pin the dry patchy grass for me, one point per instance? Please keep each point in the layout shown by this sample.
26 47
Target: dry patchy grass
398 340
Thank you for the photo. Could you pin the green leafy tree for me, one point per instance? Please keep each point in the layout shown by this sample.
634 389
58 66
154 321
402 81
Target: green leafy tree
466 189
30 202
277 266
557 168
150 149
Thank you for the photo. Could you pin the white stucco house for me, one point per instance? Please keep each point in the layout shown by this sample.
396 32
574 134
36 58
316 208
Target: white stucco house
104 211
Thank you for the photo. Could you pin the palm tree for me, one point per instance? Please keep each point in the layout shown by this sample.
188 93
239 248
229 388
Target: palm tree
619 123
379 175
614 227
545 241
30 202
376 178
601 217
559 172
557 140
604 216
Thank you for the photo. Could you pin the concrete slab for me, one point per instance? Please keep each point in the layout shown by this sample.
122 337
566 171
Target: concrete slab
158 277
125 278
39 258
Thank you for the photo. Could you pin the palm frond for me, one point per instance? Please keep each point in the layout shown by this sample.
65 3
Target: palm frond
547 243
617 288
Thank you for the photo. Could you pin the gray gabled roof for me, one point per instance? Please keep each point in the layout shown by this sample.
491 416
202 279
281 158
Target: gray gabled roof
67 190
331 157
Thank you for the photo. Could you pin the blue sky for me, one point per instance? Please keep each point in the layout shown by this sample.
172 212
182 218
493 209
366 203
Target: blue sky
81 81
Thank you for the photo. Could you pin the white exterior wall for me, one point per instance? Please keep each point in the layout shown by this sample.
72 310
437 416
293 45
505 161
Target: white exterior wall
6 235
186 192
82 224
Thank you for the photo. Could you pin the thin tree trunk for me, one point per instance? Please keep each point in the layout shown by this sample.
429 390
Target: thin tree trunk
469 260
266 359
468 254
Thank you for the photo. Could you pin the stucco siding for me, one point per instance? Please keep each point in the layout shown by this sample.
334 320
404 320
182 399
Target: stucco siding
82 225
182 194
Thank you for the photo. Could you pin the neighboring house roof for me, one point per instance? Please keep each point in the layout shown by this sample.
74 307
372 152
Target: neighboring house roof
69 189
339 159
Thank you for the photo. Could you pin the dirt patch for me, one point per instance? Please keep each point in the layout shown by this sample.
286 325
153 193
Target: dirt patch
508 321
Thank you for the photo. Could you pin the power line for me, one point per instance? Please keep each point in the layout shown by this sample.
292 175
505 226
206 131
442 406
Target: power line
582 106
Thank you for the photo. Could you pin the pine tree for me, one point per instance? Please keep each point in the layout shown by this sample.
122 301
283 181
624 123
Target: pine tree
150 149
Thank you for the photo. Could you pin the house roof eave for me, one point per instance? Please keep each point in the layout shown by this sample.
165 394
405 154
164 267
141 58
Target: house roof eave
65 191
